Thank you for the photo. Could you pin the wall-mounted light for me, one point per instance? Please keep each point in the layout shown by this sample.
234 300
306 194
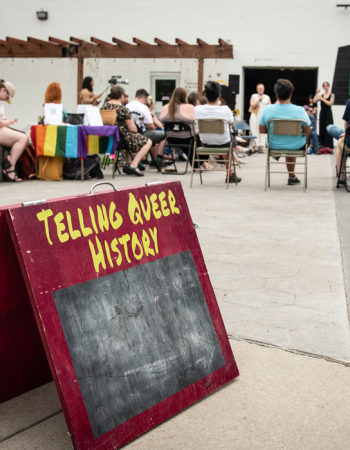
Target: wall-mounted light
42 15
346 6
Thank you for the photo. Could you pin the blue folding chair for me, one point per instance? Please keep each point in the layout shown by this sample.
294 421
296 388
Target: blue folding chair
243 126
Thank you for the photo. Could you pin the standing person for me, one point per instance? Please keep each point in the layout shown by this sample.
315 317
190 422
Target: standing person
16 140
136 142
86 96
258 102
326 116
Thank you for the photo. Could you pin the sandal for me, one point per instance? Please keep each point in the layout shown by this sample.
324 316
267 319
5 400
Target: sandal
132 171
15 177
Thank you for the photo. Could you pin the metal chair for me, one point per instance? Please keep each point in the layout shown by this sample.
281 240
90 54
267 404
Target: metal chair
213 126
177 131
281 127
344 158
243 126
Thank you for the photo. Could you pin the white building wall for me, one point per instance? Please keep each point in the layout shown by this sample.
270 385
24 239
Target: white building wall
272 33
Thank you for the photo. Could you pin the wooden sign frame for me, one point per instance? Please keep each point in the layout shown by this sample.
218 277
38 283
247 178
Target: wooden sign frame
67 243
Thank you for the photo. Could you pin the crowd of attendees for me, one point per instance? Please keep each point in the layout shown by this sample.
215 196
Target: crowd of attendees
143 133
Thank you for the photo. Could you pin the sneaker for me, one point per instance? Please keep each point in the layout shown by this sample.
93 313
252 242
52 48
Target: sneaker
233 179
293 180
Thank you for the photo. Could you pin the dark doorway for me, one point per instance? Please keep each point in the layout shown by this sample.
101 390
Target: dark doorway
304 81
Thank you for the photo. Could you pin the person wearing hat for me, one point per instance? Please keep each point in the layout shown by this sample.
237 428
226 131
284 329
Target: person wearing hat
313 134
13 139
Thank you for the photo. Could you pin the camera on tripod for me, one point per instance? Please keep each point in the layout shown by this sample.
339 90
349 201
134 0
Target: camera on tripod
117 79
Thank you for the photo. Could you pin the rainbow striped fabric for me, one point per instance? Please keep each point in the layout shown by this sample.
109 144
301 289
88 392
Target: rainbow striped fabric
53 140
74 141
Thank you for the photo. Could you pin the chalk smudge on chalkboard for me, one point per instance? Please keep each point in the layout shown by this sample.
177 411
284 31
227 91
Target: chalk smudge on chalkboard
137 337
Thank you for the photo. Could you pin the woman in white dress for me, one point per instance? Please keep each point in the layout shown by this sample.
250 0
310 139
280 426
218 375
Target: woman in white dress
257 104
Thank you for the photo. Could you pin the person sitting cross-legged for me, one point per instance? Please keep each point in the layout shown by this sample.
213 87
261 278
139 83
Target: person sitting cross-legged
214 110
287 111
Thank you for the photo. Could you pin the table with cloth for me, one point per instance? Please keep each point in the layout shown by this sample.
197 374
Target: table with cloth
74 141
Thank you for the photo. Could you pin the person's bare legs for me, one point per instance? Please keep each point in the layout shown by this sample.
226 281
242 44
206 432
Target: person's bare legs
17 141
154 150
290 163
140 154
161 148
338 156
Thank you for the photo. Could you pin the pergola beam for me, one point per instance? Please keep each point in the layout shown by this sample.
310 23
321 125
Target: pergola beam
139 42
11 40
180 42
40 42
120 42
60 41
97 48
200 42
102 43
160 42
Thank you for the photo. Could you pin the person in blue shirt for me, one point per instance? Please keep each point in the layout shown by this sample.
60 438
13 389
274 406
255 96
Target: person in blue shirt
339 133
285 110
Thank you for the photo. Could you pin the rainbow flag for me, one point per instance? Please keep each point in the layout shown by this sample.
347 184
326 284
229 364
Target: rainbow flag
53 140
97 145
56 140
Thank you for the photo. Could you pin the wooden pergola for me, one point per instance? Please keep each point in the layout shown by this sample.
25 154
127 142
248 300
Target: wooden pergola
80 49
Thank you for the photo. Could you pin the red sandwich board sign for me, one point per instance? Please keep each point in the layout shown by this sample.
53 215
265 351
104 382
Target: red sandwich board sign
125 308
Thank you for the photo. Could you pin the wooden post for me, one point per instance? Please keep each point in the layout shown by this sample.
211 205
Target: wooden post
200 75
80 74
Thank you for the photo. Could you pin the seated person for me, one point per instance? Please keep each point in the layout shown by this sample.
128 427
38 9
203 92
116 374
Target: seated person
212 110
203 101
53 94
144 121
339 133
136 142
179 110
152 106
314 136
285 110
193 99
13 139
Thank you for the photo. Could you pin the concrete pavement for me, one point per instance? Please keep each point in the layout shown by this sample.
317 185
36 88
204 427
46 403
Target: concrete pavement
278 261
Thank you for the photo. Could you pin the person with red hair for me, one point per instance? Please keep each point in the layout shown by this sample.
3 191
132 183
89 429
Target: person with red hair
53 94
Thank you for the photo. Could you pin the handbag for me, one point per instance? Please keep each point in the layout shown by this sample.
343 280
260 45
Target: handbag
26 163
50 168
109 116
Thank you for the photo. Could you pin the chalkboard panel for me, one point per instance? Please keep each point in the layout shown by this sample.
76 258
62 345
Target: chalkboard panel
137 337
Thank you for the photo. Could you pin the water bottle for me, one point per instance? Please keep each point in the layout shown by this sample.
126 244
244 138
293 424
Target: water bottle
311 151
